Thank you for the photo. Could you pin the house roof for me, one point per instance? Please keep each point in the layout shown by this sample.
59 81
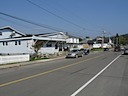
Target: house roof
45 36
53 36
12 29
32 37
70 36
48 34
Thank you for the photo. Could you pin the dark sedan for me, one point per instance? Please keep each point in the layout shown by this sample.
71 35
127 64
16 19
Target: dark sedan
85 51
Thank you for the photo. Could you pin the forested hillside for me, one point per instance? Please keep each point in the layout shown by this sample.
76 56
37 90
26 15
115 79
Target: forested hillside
123 39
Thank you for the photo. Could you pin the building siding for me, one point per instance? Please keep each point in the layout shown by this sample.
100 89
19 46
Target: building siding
14 47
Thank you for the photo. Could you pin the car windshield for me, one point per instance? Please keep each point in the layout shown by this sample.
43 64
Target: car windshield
74 50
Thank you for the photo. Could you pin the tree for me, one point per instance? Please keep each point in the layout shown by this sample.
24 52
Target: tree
38 44
122 40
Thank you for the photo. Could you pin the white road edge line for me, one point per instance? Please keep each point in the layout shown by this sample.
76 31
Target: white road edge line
93 78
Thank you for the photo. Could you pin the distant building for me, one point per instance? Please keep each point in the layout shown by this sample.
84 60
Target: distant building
101 42
72 41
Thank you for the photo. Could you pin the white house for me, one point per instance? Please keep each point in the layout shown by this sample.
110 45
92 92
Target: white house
72 41
15 42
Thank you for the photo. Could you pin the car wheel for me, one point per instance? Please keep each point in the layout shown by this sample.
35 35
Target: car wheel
123 53
76 56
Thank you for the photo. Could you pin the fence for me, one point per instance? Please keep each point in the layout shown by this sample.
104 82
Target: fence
14 58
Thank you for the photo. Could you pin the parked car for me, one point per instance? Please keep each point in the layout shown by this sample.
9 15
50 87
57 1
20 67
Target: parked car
117 48
85 51
125 50
106 49
74 53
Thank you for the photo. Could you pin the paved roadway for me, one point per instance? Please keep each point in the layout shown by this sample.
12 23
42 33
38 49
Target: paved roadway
99 74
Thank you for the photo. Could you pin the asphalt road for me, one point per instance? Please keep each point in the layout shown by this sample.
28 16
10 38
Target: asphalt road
99 74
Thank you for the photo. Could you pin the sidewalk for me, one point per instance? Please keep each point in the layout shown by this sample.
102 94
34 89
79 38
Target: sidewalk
4 66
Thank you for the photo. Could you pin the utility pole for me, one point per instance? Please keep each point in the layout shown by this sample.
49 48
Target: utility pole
117 39
109 37
103 35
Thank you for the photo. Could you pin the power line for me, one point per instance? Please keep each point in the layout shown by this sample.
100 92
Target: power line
69 11
16 23
30 22
83 28
54 14
11 21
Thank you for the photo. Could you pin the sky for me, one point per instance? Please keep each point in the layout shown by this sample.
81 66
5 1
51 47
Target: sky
79 18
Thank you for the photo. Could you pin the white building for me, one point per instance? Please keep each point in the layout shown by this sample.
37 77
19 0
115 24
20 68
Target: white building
15 42
72 42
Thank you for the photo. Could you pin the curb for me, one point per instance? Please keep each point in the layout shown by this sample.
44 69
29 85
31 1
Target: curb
4 66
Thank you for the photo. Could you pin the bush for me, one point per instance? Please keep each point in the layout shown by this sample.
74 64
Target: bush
97 49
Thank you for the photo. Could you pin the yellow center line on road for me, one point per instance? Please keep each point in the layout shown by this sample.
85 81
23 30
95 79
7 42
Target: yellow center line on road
43 73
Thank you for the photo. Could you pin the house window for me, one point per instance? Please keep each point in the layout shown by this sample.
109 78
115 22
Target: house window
0 33
15 42
19 42
5 43
49 44
56 46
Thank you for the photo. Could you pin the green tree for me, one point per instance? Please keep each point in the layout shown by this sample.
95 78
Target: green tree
80 39
38 44
122 40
